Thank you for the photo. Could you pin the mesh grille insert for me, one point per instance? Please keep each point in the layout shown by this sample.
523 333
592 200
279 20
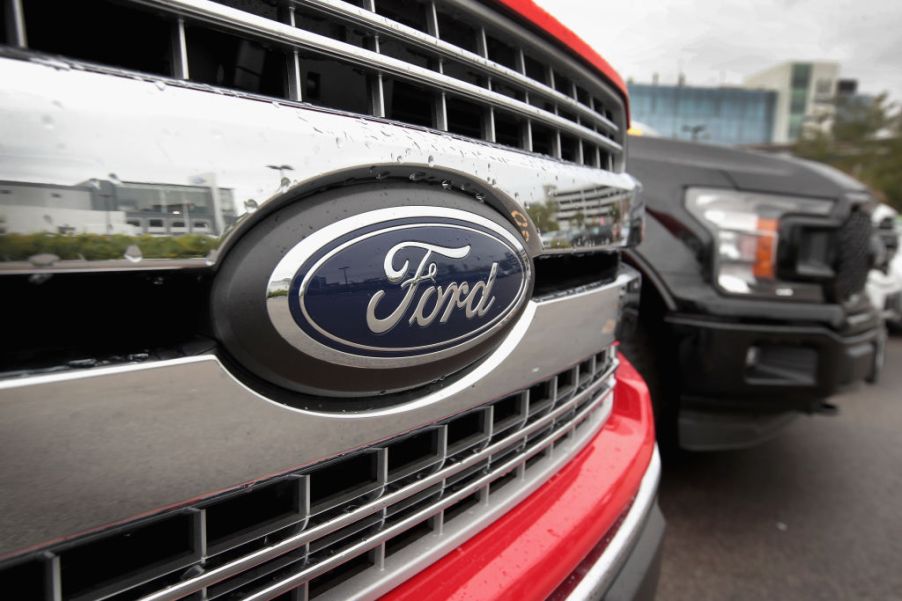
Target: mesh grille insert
853 256
315 531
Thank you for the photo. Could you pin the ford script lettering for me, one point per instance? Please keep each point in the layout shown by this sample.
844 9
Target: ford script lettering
396 289
443 299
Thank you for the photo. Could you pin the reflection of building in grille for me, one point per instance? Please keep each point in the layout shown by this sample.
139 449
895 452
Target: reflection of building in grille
721 115
805 96
105 207
590 215
173 209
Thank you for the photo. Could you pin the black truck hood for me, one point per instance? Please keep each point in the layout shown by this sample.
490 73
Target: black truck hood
693 164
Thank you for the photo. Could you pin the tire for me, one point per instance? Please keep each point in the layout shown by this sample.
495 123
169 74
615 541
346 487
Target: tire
650 349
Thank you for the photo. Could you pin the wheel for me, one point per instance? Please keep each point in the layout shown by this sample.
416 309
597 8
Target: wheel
651 351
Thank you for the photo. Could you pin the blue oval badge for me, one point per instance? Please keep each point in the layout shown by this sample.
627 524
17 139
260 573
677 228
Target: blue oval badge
398 286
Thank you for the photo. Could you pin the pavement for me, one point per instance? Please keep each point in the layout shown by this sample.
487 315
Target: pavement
815 513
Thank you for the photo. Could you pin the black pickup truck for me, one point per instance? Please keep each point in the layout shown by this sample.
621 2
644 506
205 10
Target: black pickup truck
753 308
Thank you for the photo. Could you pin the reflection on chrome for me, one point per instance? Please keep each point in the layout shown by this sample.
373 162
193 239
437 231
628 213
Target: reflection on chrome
110 219
76 192
583 217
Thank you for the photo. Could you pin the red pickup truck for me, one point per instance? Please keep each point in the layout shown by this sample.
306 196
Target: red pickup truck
279 322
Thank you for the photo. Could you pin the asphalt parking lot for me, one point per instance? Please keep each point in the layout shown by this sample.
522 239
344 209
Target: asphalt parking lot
814 514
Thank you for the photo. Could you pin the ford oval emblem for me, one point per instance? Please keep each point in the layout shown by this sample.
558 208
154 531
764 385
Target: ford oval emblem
398 287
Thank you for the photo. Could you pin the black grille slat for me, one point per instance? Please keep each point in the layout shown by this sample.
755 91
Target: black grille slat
148 556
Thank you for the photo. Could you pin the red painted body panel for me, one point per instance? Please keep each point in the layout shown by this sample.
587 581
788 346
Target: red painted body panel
536 15
529 551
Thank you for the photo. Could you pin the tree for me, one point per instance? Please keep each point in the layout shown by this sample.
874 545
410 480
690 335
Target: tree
865 142
544 215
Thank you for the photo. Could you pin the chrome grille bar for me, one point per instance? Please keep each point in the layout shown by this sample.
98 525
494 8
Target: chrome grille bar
246 23
435 44
17 27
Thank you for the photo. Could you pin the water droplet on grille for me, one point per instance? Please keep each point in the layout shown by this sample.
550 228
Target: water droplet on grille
133 253
43 259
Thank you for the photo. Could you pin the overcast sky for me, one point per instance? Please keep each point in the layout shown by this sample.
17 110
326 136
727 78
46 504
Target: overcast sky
721 41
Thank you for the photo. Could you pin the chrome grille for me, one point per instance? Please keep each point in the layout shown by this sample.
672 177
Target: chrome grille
351 527
455 66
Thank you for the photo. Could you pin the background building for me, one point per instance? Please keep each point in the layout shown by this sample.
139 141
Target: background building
102 206
805 96
722 115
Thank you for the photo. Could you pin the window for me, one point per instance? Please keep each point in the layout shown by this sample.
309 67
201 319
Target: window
801 76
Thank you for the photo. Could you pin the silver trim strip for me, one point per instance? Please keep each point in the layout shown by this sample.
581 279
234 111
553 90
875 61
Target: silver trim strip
17 27
95 372
602 573
256 558
234 19
431 43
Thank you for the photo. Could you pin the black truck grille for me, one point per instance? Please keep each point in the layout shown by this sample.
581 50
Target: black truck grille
853 256
334 529
457 66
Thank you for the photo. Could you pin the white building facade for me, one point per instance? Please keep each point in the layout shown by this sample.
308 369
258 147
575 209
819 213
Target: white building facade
805 96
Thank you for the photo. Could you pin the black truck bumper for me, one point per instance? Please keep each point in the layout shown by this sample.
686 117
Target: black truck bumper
741 382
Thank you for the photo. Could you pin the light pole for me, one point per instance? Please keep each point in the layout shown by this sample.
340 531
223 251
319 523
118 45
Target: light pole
283 181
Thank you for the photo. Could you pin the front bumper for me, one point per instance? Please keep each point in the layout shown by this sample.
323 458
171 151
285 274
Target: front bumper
739 380
592 532
761 367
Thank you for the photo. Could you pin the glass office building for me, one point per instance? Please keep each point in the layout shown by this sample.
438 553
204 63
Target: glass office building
719 115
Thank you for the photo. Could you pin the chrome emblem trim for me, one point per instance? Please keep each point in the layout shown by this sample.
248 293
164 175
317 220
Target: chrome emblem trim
429 300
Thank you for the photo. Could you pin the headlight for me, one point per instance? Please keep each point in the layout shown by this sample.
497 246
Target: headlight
746 232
